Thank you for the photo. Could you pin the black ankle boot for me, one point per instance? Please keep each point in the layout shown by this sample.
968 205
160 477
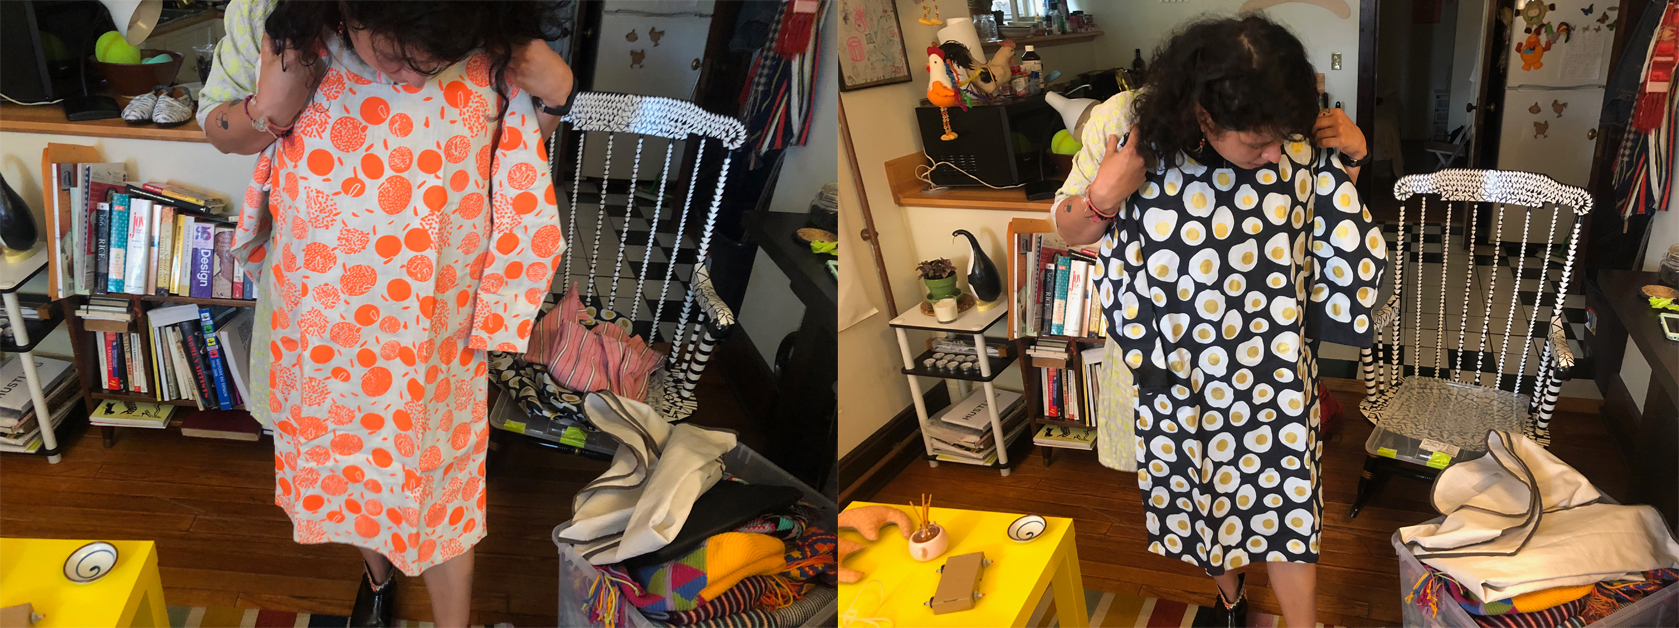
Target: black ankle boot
1227 614
375 604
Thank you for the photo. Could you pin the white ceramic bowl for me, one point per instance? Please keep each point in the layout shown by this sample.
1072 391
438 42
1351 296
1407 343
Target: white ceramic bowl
90 562
1027 528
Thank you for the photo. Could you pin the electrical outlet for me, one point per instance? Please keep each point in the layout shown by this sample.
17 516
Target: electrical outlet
1335 61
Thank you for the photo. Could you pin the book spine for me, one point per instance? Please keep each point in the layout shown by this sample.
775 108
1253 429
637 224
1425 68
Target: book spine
197 360
137 364
139 220
151 248
182 255
234 385
184 384
104 363
221 286
203 259
165 245
102 249
1075 299
238 278
212 348
1046 298
1063 268
118 243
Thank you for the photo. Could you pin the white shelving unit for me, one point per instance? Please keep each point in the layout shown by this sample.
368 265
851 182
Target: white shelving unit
972 324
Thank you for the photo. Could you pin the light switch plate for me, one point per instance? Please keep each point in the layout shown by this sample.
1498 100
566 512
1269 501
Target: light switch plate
1335 61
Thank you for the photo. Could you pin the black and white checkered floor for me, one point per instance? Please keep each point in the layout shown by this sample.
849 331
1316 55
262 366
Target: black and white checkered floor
1438 333
615 253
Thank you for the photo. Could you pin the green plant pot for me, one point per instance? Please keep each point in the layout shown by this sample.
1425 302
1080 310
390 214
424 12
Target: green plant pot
942 288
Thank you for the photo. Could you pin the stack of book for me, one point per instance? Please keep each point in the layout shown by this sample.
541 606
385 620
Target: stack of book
20 429
142 238
963 432
196 353
1056 284
31 308
131 414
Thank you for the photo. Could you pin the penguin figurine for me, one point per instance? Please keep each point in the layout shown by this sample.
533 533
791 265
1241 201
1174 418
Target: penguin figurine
983 278
17 223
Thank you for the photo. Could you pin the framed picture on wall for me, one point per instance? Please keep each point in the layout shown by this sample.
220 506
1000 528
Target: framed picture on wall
871 47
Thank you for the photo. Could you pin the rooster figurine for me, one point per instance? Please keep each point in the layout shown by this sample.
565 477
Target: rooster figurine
941 89
995 72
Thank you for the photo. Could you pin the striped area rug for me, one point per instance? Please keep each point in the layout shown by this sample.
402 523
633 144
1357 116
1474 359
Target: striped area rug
228 617
1129 611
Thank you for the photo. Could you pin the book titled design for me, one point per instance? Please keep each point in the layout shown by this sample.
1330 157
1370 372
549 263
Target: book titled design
203 259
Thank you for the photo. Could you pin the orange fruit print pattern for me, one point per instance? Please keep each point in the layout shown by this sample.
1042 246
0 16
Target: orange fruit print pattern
392 283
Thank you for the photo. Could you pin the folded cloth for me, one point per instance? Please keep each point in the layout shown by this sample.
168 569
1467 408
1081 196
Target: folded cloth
786 525
1554 617
739 598
1524 603
705 573
1519 520
643 499
583 355
1608 597
812 557
794 614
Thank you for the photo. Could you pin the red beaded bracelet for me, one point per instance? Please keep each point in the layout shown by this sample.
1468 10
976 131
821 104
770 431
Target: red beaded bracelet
276 131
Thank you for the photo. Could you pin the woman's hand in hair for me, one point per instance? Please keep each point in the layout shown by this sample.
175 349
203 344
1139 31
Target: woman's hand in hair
539 71
1334 129
1119 176
285 83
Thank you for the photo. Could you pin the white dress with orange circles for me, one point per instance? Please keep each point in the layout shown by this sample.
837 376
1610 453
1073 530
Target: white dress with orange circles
403 237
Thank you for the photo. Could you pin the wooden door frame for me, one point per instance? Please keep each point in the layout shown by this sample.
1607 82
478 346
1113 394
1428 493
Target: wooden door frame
1368 36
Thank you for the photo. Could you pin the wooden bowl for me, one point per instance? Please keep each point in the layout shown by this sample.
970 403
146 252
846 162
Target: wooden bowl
134 79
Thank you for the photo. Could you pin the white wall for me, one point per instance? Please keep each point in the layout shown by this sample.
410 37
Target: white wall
883 127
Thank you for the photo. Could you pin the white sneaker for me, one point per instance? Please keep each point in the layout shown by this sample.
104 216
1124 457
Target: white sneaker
173 107
141 108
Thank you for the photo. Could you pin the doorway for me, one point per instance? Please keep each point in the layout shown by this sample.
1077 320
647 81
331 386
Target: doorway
1430 90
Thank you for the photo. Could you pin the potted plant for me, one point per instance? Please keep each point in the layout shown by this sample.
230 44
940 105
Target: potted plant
940 277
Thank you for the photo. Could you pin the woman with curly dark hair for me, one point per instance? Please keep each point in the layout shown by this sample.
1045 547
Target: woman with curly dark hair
403 190
1232 241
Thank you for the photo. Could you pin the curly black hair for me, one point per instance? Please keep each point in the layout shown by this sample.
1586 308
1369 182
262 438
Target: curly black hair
430 35
1248 73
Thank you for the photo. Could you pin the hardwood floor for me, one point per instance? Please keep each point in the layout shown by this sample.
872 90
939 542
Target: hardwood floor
1358 573
209 505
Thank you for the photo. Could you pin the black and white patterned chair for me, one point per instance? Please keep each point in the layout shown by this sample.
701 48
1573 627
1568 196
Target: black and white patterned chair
638 239
1424 395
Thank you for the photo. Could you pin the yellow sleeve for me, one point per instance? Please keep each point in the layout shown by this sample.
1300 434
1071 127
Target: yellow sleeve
1110 117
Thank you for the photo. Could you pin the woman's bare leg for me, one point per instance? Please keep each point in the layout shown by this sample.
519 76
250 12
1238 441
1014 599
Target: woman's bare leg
450 586
377 565
1296 586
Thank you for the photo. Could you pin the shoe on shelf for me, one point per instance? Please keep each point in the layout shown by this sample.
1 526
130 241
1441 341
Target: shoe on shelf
375 603
141 108
174 106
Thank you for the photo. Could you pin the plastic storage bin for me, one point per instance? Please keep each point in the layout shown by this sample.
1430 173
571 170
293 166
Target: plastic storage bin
1659 609
576 573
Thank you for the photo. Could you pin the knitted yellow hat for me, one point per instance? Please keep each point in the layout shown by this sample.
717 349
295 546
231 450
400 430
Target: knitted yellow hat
734 556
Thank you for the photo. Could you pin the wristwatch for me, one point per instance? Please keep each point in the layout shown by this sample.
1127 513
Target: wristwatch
1359 163
553 111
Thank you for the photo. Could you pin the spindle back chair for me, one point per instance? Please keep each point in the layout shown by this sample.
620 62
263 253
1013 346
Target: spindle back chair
1421 390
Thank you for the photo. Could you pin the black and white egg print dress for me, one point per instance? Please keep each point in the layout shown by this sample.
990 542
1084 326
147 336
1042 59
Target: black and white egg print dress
1219 282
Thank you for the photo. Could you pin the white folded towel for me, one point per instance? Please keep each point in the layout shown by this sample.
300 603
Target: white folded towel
640 503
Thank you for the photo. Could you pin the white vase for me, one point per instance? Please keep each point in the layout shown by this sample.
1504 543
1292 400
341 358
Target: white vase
928 546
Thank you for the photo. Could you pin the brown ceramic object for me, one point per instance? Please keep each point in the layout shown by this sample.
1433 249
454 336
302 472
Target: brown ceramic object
134 79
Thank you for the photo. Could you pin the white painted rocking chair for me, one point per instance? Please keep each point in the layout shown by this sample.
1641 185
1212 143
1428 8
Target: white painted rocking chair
1423 398
638 251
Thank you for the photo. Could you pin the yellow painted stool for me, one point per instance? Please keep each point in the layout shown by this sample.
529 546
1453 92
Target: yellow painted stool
32 572
1018 577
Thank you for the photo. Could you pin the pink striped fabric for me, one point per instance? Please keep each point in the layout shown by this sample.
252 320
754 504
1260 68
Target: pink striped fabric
584 359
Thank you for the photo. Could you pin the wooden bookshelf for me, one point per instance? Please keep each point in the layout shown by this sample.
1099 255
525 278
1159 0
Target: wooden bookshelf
87 361
1071 361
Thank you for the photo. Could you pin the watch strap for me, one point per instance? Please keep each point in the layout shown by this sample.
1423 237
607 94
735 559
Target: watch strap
553 111
1358 163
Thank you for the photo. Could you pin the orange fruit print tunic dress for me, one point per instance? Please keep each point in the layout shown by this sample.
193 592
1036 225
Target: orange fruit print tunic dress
404 235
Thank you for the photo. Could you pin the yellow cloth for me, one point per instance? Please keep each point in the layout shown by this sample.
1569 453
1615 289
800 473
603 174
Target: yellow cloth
734 556
1548 598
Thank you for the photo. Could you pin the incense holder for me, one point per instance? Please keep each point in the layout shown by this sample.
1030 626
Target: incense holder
928 543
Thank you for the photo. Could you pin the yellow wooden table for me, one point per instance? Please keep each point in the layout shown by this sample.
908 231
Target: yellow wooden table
32 571
1019 575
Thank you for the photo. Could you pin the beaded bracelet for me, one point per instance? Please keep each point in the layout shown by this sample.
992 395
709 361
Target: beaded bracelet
261 124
